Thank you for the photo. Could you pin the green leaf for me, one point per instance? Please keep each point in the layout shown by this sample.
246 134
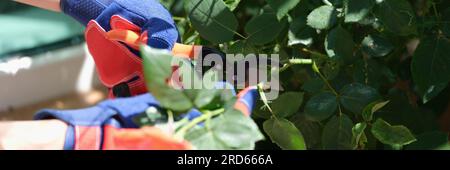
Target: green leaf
355 97
337 133
430 141
356 10
241 47
392 135
335 3
236 129
284 134
166 3
431 66
263 28
190 80
397 16
232 4
205 139
372 72
370 109
287 104
321 106
300 33
400 111
301 10
157 69
339 44
212 99
323 17
313 85
282 7
376 46
358 134
331 68
232 130
212 19
310 130
209 97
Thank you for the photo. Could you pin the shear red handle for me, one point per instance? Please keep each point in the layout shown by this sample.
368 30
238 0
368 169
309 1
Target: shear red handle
134 40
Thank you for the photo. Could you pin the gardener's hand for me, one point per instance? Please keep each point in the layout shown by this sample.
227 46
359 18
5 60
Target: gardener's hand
110 125
45 4
110 26
42 135
148 15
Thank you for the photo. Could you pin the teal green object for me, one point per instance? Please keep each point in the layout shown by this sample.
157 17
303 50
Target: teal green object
32 30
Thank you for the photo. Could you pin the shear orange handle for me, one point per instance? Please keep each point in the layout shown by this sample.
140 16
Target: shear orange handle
128 37
134 40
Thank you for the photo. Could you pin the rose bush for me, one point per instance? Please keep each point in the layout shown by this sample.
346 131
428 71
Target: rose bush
376 73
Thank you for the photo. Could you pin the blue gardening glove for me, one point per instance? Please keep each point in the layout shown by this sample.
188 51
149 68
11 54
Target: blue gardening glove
118 65
149 15
110 22
90 127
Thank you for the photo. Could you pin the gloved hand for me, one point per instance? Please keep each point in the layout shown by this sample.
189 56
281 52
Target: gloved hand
147 15
114 31
119 66
109 125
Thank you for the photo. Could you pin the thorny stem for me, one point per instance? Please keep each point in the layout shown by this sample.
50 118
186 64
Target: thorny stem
300 61
313 52
340 109
435 10
171 121
327 83
295 61
178 18
206 115
264 99
316 69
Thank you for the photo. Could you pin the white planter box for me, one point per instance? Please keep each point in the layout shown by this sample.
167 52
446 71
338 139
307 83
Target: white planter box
29 80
